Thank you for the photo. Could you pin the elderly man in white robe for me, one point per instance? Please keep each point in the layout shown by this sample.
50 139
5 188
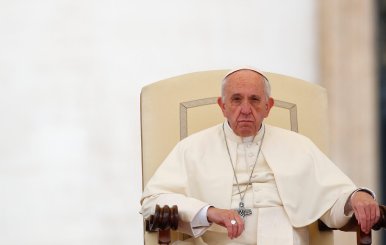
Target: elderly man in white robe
245 182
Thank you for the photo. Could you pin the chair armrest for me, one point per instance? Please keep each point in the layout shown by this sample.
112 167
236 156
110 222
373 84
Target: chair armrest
162 221
381 224
352 225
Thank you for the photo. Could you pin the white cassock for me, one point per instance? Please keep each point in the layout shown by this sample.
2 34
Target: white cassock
293 185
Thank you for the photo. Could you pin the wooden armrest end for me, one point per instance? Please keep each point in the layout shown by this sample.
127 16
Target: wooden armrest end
352 225
162 221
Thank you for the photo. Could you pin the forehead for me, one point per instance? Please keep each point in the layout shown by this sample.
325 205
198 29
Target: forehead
245 81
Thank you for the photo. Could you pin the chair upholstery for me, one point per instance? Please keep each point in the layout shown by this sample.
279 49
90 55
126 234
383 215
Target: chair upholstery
174 108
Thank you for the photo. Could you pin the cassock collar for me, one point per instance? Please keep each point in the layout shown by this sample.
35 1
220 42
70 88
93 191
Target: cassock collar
232 136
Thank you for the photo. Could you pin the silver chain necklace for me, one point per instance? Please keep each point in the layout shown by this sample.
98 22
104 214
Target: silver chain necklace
242 210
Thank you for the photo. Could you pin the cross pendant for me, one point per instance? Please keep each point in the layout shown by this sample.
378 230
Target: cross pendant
243 211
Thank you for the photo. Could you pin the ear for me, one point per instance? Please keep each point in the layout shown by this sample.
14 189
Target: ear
270 103
221 105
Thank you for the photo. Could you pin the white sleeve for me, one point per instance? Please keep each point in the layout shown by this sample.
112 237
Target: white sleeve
200 222
192 212
335 217
201 219
168 187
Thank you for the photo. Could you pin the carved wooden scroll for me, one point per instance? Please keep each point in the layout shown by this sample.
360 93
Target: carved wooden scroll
352 225
162 221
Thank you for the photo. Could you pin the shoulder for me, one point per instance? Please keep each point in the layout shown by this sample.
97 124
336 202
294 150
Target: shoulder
286 136
205 136
281 131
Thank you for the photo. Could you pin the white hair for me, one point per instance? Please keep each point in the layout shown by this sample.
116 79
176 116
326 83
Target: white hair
267 85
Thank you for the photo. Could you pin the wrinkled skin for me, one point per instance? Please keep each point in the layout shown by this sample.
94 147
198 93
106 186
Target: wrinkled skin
246 104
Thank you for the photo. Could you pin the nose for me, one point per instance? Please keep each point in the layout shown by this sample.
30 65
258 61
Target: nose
245 108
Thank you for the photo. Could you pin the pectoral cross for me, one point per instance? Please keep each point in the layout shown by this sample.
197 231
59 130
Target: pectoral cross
243 211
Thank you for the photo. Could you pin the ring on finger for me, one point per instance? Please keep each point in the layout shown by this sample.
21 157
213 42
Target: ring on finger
233 221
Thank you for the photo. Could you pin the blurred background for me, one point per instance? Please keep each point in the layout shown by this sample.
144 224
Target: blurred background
71 73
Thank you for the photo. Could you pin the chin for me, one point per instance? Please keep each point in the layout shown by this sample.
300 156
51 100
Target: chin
246 133
245 129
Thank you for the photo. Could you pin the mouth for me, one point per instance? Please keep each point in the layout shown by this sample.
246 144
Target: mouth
245 121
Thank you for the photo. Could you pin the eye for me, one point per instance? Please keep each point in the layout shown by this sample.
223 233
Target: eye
236 99
255 99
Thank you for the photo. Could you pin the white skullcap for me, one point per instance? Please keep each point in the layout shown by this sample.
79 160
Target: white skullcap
245 68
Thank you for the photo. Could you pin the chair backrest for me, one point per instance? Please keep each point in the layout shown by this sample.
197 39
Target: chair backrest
174 108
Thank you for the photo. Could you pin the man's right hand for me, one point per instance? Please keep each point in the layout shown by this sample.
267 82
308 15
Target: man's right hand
224 218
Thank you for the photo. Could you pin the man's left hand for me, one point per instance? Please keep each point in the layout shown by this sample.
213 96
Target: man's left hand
366 210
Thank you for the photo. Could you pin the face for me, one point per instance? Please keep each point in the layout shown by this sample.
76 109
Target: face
246 104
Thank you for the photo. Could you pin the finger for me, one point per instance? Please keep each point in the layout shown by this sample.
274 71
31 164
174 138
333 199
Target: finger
377 213
240 225
365 218
230 227
372 216
367 222
235 228
368 219
359 214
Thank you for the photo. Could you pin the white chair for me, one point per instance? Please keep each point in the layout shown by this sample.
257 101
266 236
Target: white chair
174 108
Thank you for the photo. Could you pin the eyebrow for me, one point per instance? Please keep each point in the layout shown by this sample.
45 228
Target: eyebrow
250 96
